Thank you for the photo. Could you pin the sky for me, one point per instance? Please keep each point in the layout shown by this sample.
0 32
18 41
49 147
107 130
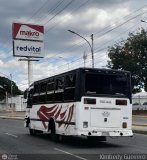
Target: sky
110 22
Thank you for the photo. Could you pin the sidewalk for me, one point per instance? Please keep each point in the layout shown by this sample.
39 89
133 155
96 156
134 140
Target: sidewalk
12 115
137 128
140 127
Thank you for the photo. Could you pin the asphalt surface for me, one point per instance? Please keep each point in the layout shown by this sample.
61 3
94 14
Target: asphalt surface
17 144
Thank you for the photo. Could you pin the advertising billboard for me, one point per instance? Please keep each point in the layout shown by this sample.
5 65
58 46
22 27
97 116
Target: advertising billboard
28 49
28 40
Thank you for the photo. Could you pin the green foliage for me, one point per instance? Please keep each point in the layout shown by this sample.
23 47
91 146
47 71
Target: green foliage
131 56
5 86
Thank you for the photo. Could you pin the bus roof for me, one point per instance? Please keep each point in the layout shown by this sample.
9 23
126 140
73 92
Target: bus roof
94 70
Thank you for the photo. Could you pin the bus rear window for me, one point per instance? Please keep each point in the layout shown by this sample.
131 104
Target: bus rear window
106 84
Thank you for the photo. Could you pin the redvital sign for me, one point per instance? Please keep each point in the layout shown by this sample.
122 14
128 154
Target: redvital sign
28 49
28 40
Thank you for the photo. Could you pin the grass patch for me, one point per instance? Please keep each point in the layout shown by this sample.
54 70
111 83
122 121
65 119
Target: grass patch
140 112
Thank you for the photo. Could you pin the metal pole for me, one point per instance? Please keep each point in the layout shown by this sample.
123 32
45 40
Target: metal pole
29 72
11 92
84 58
29 69
92 54
7 100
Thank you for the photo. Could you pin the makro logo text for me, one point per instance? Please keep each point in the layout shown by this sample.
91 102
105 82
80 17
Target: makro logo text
29 49
29 33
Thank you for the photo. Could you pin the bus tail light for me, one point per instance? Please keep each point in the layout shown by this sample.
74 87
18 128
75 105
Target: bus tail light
89 101
85 124
121 102
124 125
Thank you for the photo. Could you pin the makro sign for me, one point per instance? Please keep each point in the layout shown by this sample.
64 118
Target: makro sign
28 32
28 40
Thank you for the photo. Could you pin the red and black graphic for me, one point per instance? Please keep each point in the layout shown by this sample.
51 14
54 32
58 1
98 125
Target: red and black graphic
17 26
55 112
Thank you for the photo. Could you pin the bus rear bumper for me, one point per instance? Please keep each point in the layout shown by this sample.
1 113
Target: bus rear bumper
120 133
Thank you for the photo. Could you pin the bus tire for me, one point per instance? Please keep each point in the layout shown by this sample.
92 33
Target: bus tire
31 131
61 138
52 130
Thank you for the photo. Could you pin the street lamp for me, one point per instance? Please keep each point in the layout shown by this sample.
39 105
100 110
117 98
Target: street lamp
90 45
143 21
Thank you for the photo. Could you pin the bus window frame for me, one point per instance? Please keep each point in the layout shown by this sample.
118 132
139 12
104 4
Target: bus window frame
67 87
42 94
50 81
30 98
128 95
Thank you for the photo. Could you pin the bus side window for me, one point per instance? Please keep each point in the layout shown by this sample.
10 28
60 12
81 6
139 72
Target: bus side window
59 89
29 101
25 94
69 92
50 90
42 96
36 94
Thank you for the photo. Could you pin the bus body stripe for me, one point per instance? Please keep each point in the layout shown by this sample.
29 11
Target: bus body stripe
55 112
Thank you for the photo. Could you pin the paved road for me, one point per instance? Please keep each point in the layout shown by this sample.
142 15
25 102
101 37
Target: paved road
15 141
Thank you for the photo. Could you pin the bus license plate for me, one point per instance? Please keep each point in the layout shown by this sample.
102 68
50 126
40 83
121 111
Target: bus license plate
105 133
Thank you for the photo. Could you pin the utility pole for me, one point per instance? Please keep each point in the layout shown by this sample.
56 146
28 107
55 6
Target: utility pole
92 54
84 58
11 93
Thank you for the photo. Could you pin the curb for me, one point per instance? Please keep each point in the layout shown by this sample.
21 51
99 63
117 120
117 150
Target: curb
15 118
141 125
139 116
140 132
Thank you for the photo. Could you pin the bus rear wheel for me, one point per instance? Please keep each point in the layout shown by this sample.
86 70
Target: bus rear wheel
52 130
32 132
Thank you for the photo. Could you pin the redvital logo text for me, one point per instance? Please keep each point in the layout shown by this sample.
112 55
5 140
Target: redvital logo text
29 33
28 49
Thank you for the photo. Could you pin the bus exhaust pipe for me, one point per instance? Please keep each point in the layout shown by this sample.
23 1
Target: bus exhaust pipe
89 134
121 134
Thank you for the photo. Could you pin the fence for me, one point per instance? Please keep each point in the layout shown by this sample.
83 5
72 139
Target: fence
139 107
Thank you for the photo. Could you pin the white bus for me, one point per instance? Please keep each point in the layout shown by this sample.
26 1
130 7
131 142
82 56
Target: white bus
90 102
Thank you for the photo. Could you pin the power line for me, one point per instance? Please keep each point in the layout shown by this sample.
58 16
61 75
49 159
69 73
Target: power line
54 8
110 30
98 50
59 12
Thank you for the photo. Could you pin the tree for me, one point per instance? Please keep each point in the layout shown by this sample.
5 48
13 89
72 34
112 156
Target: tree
132 56
5 86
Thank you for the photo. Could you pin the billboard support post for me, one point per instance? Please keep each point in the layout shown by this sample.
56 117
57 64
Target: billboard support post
29 72
29 60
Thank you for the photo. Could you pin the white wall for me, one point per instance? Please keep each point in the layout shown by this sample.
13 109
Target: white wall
18 102
139 99
3 107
